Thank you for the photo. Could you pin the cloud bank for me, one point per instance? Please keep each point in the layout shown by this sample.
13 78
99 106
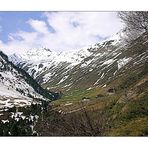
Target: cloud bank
63 31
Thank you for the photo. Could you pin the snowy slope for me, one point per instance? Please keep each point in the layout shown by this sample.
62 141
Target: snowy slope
40 61
15 89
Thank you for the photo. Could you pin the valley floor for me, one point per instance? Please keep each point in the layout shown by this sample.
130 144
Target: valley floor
97 112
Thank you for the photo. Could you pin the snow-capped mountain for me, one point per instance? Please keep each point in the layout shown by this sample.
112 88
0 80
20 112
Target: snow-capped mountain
17 87
86 68
37 61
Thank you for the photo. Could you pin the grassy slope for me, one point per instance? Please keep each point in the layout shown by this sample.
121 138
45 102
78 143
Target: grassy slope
126 110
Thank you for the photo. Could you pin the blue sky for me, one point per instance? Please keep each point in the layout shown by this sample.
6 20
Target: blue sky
58 31
11 22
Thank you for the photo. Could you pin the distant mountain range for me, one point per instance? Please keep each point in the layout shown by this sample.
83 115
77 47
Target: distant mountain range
86 68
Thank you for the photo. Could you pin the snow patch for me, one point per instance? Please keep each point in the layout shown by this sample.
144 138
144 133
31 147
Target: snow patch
5 121
63 79
67 104
90 70
86 63
104 86
110 61
123 62
89 88
46 77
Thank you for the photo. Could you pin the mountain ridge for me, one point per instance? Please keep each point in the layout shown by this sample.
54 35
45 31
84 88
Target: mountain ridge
44 64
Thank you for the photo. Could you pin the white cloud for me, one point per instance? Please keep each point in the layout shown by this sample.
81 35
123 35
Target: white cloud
64 31
38 26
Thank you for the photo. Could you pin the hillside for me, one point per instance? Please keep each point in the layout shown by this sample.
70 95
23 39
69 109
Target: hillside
104 93
22 100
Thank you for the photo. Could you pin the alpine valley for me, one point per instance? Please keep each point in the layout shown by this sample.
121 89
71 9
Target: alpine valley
100 90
